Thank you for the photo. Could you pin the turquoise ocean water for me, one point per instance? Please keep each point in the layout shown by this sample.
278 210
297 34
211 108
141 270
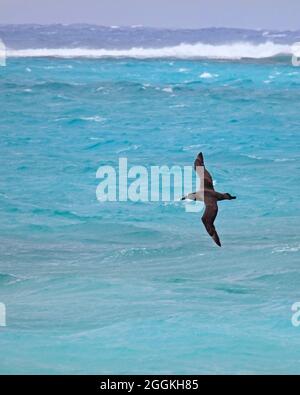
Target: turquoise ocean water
128 287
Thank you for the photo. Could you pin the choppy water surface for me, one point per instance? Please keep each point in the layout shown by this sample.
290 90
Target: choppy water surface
140 287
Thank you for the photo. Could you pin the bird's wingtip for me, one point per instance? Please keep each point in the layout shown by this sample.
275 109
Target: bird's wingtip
216 239
199 161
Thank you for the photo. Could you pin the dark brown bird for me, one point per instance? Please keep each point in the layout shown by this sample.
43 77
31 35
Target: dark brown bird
210 197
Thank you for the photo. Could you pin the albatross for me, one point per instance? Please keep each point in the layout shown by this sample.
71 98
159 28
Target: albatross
210 197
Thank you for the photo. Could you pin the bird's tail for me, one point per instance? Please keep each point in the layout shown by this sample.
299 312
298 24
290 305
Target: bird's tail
190 196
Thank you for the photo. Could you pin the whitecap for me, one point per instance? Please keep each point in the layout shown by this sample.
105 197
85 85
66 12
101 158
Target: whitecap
178 106
236 50
208 75
192 147
253 156
145 86
95 118
68 66
168 89
133 147
284 160
286 248
205 75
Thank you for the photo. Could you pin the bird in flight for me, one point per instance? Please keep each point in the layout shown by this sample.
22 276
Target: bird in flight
210 197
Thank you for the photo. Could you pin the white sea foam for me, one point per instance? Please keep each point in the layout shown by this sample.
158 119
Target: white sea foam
168 89
68 66
207 75
252 156
133 147
178 106
182 51
284 160
96 118
286 248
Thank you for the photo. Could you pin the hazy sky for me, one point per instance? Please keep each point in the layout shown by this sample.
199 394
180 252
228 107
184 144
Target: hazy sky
269 14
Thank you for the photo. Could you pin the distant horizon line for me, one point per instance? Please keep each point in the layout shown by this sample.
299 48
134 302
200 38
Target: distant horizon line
139 26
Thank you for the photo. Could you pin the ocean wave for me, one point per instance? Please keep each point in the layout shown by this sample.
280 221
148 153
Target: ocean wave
168 89
286 248
238 50
207 75
7 279
95 118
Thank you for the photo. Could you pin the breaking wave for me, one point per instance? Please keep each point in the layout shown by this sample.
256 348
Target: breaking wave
237 50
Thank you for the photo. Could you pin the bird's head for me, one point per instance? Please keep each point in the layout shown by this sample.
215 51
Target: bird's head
229 197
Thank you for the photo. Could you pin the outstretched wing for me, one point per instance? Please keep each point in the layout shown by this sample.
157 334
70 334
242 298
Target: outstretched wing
208 218
199 162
